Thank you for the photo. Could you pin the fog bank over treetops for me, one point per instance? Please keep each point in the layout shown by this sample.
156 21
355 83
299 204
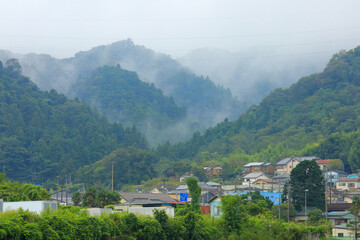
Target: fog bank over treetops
206 103
252 74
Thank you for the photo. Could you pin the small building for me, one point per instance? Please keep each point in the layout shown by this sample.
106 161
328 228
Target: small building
340 221
333 176
256 167
281 179
348 184
215 207
262 181
216 170
286 165
32 206
322 163
145 203
252 177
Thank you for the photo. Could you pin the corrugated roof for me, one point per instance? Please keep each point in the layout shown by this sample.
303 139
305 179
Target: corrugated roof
254 175
266 180
307 158
284 161
129 196
254 164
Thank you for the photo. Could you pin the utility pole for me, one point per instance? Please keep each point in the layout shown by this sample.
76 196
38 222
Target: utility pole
66 176
57 194
61 193
279 205
330 185
326 208
306 190
288 199
112 176
249 198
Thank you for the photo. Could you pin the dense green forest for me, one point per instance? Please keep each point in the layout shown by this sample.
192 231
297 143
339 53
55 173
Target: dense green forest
319 115
124 98
44 134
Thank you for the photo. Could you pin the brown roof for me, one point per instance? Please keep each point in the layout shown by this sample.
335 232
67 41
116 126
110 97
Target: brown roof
266 180
339 206
324 161
349 179
131 196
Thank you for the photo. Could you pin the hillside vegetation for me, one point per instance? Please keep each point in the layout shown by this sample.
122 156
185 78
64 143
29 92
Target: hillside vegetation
205 103
318 115
124 98
44 134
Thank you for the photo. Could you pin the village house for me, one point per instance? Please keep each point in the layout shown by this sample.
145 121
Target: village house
252 177
281 179
256 167
145 203
333 176
340 221
216 170
286 165
348 184
323 162
215 207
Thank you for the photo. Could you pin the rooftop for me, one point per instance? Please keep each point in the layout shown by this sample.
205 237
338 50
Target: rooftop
349 179
254 164
254 175
152 197
299 159
267 180
325 161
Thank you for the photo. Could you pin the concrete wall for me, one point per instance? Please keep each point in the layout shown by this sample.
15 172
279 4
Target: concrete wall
149 210
32 206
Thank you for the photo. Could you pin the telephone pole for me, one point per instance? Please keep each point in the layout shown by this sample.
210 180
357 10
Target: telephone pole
326 207
288 199
279 205
112 176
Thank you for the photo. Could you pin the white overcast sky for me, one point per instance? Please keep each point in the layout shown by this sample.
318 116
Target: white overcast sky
63 27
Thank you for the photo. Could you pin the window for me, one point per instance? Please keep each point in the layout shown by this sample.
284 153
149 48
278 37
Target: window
216 211
351 184
342 184
339 221
340 234
257 168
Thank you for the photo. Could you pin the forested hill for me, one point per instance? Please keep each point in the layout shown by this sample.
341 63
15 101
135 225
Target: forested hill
44 135
320 114
206 103
124 98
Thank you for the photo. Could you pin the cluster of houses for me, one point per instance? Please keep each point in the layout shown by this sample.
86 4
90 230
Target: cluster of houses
267 178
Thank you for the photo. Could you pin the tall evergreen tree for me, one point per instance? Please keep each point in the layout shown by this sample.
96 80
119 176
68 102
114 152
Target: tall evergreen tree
307 176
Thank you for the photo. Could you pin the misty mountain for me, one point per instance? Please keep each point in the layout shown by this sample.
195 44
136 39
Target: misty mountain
124 98
206 103
318 115
44 134
252 74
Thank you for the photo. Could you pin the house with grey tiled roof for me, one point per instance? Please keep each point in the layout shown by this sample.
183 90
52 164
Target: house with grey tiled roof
252 177
286 165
